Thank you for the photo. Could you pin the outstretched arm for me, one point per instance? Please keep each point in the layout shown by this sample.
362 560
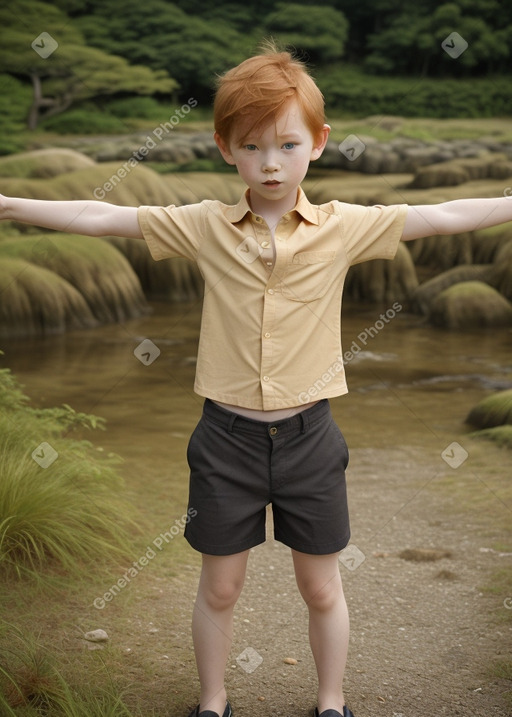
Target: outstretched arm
455 217
76 217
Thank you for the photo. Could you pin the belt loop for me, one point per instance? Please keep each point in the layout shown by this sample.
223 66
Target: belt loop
232 420
304 421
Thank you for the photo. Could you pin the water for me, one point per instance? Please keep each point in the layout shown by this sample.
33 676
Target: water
409 384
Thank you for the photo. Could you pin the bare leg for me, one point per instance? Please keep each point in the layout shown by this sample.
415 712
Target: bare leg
319 581
220 585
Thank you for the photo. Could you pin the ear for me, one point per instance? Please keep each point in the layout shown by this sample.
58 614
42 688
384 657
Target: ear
223 148
320 142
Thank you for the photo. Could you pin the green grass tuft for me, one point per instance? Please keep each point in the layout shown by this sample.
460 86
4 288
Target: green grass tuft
67 516
32 686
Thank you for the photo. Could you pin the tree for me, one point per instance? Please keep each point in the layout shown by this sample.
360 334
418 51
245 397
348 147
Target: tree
412 41
61 68
162 36
320 31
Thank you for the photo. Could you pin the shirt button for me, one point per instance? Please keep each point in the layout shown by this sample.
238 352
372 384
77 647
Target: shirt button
272 431
270 291
267 335
258 219
266 378
269 263
265 244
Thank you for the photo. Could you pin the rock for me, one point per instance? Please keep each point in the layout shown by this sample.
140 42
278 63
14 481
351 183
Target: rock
96 636
470 304
418 157
331 157
290 661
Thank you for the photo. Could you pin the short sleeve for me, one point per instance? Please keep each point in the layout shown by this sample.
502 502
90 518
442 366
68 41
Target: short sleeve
371 232
172 231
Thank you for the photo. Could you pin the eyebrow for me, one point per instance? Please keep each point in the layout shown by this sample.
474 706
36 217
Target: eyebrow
287 137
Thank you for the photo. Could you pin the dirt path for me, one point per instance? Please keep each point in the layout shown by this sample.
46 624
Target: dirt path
422 633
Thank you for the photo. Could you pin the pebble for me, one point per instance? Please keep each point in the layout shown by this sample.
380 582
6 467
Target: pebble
96 636
290 661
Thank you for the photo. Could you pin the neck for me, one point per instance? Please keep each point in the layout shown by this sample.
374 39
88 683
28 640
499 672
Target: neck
272 210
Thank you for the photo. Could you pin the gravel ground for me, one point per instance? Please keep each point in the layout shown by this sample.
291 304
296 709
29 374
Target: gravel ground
422 632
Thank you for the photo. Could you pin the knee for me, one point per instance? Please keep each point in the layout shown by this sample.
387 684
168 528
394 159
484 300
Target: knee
221 595
323 597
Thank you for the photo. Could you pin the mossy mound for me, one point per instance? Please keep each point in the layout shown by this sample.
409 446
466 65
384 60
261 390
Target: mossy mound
442 252
173 279
190 187
133 186
43 163
489 243
382 280
352 187
58 282
468 305
501 435
139 185
424 295
474 189
460 171
501 276
35 301
495 410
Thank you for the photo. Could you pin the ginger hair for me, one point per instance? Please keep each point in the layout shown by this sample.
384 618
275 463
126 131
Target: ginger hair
253 94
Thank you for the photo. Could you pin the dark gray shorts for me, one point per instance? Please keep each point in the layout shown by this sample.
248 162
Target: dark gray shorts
238 466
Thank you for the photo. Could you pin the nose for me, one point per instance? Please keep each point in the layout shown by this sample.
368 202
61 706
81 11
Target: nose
270 163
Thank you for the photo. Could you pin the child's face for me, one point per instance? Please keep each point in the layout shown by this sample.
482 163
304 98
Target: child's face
274 162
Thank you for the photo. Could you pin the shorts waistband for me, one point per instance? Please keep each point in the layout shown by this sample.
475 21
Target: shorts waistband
236 423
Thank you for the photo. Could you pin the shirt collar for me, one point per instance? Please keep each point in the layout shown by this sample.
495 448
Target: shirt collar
237 212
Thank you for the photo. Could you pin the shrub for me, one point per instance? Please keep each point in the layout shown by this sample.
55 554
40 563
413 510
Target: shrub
350 90
82 121
137 107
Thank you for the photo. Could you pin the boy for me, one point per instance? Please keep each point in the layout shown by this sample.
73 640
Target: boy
273 267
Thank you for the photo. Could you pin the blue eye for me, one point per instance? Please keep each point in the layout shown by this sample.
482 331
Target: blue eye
250 147
289 145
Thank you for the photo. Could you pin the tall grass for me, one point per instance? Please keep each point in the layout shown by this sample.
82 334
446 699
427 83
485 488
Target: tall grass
68 516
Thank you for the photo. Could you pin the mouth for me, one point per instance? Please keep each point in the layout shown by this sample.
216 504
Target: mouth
271 183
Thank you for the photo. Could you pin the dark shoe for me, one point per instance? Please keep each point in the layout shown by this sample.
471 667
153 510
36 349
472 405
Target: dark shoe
208 713
334 713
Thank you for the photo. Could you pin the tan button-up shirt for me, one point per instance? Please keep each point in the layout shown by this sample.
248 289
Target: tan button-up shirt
271 324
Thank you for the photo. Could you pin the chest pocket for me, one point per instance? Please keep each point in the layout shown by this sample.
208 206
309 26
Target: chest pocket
308 276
